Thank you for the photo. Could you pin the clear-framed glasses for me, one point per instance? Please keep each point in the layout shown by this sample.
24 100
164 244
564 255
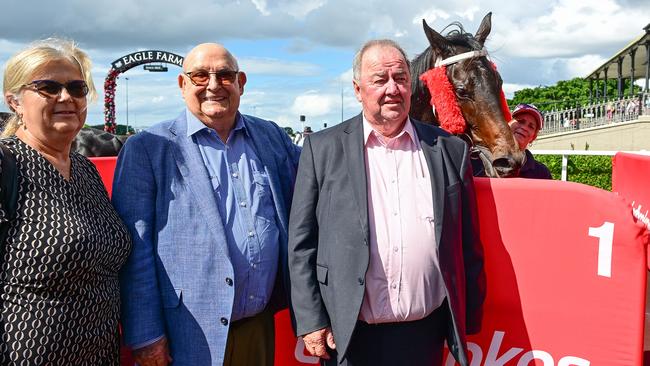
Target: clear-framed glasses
52 88
202 77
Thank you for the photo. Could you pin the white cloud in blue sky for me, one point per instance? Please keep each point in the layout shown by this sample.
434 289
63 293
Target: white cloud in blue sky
298 53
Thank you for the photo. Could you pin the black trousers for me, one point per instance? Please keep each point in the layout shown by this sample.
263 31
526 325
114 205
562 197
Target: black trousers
415 343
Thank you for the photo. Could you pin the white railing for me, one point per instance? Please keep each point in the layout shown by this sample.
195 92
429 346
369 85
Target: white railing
566 153
596 114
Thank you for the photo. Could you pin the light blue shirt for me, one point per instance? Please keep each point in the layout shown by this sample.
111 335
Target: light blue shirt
243 194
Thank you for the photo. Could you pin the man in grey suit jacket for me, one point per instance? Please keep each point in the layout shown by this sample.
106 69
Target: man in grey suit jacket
385 258
206 198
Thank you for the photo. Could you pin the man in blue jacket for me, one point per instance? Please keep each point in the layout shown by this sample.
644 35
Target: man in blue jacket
206 199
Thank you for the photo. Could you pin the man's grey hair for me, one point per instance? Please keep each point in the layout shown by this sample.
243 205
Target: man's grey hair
356 64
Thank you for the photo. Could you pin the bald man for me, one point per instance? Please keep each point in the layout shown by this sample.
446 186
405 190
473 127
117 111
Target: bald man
206 198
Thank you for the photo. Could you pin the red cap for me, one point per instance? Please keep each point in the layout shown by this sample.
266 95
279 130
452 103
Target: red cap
532 110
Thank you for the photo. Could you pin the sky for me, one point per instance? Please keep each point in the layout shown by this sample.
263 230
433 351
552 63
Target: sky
298 54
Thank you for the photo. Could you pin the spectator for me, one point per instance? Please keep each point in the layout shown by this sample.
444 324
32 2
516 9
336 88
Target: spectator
66 244
367 283
206 198
526 124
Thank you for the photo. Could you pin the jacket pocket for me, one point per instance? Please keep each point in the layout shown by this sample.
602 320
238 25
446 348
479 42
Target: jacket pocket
171 298
321 274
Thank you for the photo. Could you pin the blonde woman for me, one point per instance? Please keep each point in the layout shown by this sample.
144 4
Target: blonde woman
59 273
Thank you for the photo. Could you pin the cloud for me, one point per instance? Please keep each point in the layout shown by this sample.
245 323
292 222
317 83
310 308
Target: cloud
430 15
583 65
347 76
269 66
298 53
314 105
572 29
510 89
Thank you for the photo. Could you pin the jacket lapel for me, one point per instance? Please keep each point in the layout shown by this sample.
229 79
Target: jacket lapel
190 164
352 141
433 156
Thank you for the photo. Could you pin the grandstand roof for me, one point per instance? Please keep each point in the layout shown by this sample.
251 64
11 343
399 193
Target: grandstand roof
640 59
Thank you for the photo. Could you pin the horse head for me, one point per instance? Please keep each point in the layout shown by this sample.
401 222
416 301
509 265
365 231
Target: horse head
474 90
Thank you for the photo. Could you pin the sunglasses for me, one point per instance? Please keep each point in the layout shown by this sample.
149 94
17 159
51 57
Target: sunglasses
51 88
202 77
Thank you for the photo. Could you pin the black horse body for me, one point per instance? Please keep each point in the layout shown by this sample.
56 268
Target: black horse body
92 142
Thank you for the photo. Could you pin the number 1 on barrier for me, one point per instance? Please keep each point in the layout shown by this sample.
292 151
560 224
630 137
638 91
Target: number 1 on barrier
605 235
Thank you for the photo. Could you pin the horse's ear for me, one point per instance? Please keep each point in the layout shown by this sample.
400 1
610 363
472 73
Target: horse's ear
436 41
484 29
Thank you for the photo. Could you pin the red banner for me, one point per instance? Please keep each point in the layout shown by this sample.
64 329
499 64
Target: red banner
630 176
566 278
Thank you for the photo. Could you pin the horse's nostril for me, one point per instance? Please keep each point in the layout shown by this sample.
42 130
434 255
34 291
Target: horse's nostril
506 167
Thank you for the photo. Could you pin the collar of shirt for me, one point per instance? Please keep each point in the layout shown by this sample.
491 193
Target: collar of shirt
194 125
408 129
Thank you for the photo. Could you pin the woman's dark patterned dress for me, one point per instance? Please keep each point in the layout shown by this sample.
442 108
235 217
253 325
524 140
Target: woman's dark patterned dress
59 274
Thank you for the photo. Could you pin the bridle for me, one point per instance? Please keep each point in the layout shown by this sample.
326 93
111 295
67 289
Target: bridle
459 57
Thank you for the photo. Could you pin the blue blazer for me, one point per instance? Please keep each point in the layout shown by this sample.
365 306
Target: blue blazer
178 279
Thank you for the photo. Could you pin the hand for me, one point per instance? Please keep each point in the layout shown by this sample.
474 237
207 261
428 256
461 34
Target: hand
155 354
315 342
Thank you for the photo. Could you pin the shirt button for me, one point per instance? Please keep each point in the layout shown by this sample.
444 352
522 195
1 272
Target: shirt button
393 286
235 175
242 203
251 234
395 249
254 265
394 213
229 281
224 321
251 297
360 280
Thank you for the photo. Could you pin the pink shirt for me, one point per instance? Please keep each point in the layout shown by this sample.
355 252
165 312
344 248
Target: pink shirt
403 282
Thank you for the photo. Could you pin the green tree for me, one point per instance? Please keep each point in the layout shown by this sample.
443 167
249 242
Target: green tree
567 94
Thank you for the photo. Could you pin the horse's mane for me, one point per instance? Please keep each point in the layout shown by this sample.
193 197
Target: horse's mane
425 61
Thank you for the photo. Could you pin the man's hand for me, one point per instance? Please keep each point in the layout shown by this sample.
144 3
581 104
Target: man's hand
155 354
315 342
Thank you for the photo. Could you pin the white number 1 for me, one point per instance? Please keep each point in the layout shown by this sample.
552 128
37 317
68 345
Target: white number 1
605 235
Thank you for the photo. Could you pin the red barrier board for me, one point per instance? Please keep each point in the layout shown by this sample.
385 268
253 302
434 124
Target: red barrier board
566 278
106 167
630 176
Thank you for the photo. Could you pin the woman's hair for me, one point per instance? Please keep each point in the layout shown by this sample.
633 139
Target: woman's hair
22 66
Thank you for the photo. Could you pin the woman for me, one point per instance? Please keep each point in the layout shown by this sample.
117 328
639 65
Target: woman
526 123
63 251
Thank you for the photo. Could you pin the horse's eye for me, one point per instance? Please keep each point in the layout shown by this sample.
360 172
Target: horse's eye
462 92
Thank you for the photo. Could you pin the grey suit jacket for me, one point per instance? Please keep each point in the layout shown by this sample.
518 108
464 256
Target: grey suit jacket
328 233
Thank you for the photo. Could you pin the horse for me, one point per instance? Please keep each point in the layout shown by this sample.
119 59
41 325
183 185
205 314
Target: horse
93 142
476 87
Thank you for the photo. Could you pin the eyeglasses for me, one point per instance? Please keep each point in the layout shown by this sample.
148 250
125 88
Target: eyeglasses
52 89
202 77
